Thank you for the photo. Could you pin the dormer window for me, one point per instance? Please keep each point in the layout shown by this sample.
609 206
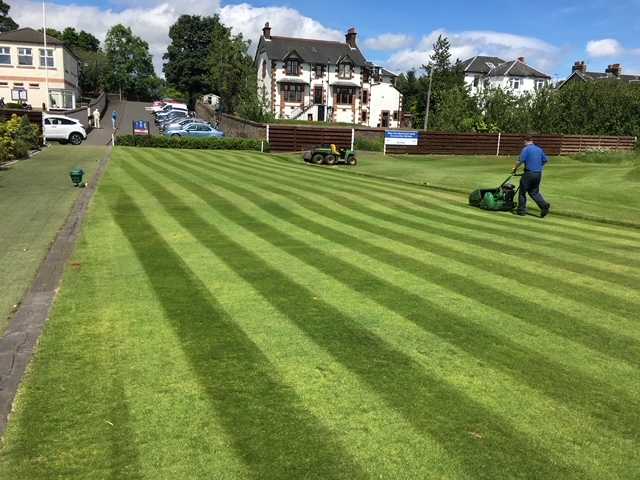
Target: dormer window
293 67
365 75
345 70
318 70
264 68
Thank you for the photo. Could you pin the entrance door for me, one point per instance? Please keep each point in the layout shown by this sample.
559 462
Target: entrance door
321 113
385 119
317 95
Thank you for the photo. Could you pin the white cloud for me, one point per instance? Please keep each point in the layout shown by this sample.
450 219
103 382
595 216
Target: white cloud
388 41
606 47
149 22
151 19
249 21
467 44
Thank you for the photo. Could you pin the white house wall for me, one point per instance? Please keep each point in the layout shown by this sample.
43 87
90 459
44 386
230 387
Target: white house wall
351 113
527 84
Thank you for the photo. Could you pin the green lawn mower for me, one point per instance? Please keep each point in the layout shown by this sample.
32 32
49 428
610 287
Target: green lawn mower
330 155
501 199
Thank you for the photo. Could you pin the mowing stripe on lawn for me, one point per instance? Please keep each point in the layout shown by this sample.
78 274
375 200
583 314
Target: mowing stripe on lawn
540 231
278 438
608 232
572 223
583 291
599 333
567 385
452 218
148 166
358 350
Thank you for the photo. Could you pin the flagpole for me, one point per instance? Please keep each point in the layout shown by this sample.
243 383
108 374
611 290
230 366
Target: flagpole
46 65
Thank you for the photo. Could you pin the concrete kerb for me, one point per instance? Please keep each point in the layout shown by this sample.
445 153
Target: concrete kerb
20 341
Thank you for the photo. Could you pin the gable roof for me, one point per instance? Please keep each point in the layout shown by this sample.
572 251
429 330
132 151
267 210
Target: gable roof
591 76
516 68
28 35
311 51
481 64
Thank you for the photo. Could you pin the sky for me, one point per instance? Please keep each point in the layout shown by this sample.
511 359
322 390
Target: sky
551 35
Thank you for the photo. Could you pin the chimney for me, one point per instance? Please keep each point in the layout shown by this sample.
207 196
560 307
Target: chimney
350 37
579 67
266 31
615 69
521 59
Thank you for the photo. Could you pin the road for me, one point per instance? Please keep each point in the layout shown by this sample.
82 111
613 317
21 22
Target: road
128 111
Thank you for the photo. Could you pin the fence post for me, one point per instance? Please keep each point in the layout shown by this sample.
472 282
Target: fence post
498 149
267 132
113 140
261 146
353 135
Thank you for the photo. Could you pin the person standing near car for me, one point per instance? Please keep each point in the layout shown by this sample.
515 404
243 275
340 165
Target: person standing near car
96 118
534 159
114 119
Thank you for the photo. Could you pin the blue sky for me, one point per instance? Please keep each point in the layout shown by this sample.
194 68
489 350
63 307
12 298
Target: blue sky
550 34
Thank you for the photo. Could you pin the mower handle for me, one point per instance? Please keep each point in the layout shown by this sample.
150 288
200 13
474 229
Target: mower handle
509 178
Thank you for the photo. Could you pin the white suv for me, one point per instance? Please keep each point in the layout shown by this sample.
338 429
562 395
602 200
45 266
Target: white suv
59 127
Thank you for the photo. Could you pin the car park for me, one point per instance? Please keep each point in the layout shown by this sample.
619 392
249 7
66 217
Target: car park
63 129
195 130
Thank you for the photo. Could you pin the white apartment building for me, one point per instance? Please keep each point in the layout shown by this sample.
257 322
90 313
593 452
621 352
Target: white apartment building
319 80
25 64
482 72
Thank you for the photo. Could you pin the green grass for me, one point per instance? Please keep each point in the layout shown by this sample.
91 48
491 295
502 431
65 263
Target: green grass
602 186
231 315
36 196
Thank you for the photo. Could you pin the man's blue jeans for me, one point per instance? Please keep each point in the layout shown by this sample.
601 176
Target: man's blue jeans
530 183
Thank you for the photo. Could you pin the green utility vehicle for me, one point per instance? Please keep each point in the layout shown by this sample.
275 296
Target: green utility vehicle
330 155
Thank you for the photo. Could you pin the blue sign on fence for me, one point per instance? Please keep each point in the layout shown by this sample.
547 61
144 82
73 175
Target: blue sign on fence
140 127
401 137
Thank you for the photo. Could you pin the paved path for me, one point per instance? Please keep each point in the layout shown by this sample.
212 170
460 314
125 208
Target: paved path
19 342
127 112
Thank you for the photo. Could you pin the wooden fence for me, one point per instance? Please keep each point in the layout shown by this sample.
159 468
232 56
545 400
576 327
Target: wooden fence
288 138
34 116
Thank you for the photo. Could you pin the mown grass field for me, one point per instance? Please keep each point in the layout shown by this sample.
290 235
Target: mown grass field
234 315
36 196
602 186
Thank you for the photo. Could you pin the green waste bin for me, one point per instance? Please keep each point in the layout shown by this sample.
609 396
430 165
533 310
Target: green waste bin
76 176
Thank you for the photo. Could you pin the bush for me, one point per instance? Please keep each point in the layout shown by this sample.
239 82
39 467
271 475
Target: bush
191 142
17 137
375 145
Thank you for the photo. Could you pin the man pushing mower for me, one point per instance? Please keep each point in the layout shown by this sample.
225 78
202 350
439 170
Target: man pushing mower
534 160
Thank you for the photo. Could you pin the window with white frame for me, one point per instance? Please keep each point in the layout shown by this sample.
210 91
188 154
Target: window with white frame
344 70
476 81
540 84
25 56
5 56
515 83
46 57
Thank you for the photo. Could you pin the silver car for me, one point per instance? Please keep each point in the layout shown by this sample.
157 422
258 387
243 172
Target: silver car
181 123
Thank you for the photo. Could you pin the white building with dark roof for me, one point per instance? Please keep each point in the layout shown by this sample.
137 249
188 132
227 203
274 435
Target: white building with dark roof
26 67
319 80
482 72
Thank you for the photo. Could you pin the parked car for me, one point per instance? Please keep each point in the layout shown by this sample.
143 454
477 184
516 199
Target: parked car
163 106
163 117
178 123
169 107
194 130
64 129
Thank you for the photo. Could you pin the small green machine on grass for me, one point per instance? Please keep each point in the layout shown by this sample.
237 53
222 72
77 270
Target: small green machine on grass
330 155
76 176
501 199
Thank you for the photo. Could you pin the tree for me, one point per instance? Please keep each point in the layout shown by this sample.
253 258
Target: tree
231 71
184 67
82 40
129 64
6 22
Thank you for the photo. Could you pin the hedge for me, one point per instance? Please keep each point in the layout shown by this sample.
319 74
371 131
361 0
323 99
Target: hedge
157 141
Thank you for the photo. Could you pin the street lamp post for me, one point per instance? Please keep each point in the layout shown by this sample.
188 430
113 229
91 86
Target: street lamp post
426 115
